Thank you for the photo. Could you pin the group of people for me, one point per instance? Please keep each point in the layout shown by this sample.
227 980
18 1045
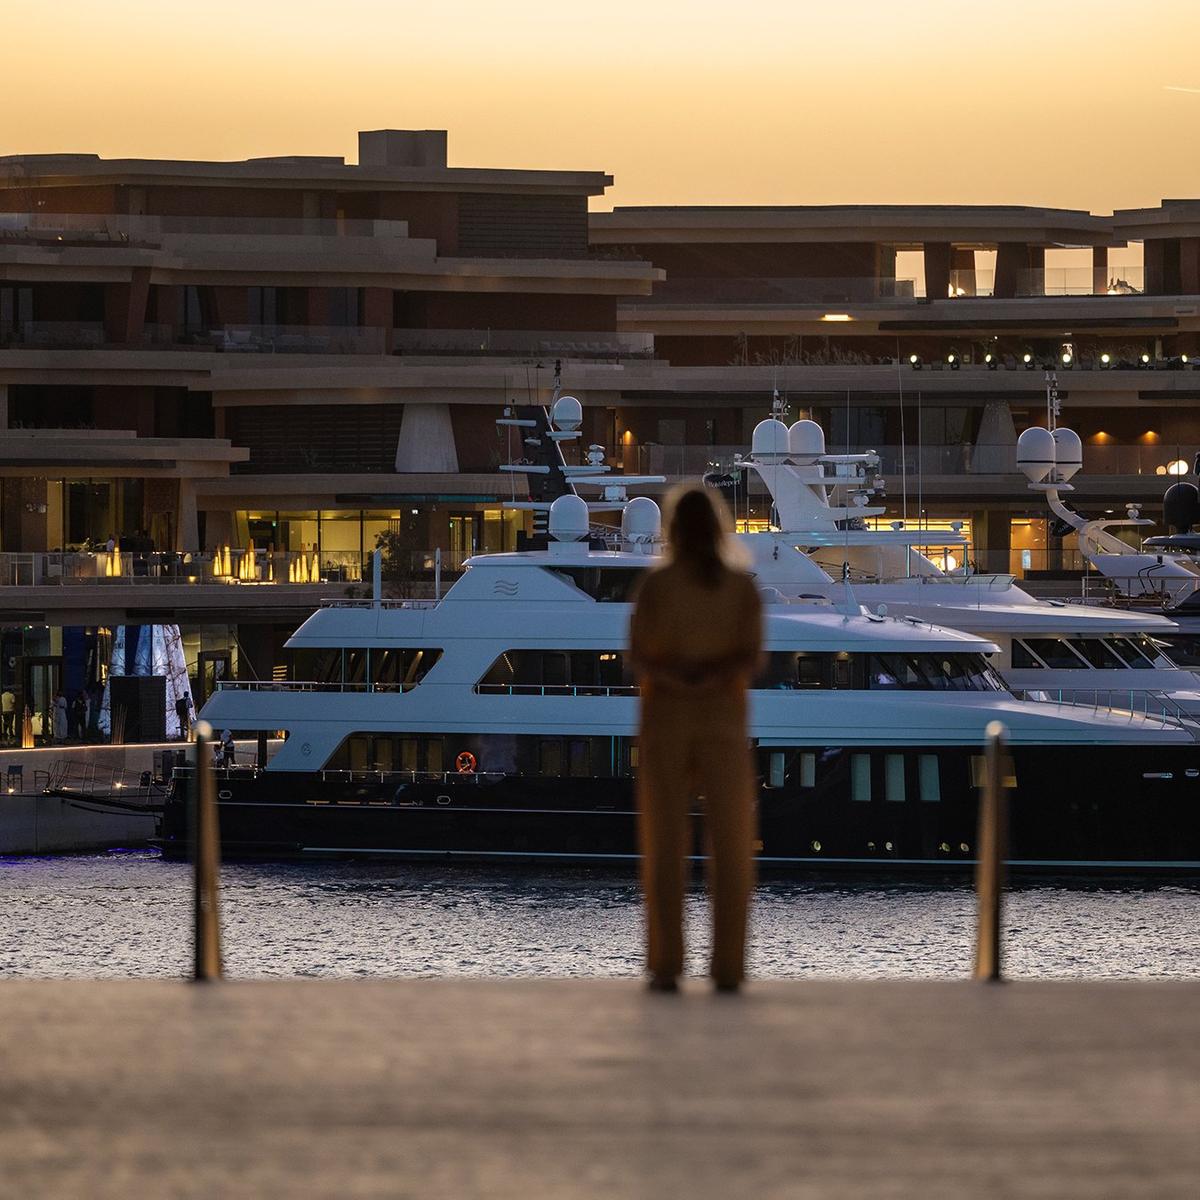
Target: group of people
68 718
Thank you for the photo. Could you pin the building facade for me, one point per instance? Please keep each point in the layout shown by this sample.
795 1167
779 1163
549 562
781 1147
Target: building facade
248 375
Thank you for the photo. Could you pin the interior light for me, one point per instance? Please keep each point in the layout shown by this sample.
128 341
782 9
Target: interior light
1066 360
1105 360
952 361
1027 359
1145 360
837 317
1178 467
915 361
1183 358
990 359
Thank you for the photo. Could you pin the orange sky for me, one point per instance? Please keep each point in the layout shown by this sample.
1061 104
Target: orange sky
1063 102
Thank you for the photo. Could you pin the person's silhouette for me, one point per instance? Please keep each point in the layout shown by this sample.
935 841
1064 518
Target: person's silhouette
695 642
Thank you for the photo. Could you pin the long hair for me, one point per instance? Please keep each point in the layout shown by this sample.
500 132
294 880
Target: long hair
697 532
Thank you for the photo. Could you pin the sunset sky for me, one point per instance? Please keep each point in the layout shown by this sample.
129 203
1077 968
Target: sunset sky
1081 103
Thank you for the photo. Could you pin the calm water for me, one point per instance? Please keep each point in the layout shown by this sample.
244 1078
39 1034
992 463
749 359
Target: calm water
128 914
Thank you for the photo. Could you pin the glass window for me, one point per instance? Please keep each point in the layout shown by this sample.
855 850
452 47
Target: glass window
1099 653
893 778
1023 659
930 782
578 758
860 778
808 770
1055 653
1150 649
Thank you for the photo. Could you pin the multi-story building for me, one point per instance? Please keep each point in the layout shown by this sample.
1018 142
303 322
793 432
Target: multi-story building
926 333
295 355
252 373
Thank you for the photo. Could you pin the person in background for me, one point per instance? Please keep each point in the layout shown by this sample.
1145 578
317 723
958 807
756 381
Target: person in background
228 749
183 710
111 544
59 717
78 717
8 713
695 643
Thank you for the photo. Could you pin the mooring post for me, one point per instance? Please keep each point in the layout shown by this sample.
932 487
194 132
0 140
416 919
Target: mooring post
991 840
206 851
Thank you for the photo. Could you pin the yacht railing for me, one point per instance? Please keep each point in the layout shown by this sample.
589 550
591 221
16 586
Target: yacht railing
350 602
1117 702
295 685
554 689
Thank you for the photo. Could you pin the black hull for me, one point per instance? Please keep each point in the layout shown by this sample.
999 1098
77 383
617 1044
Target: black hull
1083 810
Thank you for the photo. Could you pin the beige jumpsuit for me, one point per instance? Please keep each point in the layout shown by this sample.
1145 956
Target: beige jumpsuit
694 649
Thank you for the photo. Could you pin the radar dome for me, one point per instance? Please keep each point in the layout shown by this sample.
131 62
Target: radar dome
567 414
1035 453
1181 507
641 520
806 441
769 442
1068 452
569 519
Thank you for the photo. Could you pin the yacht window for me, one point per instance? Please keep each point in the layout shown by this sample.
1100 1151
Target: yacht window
609 585
893 778
1099 653
1056 654
930 782
1151 649
842 675
550 757
860 778
434 755
578 758
808 770
563 670
1023 659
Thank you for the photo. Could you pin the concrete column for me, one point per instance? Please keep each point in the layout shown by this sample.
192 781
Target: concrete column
995 450
187 524
1152 258
426 440
1035 268
1099 270
1011 259
377 313
1189 266
962 264
997 531
937 270
125 307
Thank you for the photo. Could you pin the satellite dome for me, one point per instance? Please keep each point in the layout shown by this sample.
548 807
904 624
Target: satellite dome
806 442
1181 507
769 442
1035 453
641 520
1068 452
567 414
569 520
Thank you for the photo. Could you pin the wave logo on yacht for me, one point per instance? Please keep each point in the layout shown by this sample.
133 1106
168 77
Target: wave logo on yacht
504 587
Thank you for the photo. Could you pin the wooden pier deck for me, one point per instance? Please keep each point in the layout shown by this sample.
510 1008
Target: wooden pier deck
456 1088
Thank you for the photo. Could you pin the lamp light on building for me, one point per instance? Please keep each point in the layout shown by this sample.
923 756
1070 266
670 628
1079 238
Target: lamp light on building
1177 467
837 317
1027 359
1067 360
990 359
952 361
1145 360
1105 362
914 361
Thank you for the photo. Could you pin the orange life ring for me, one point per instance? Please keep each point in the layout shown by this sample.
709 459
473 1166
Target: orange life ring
465 763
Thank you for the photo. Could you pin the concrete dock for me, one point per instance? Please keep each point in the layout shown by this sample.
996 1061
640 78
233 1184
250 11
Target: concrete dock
460 1089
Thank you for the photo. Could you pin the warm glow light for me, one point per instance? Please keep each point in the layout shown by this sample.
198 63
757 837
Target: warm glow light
1027 358
1178 467
1106 359
1145 358
837 317
1160 470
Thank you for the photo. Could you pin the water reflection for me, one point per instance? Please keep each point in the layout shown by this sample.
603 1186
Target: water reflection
128 915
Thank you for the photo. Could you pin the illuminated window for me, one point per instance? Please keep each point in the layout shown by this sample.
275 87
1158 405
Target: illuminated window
860 778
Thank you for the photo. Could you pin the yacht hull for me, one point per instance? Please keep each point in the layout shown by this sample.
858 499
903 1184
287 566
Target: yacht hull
1093 810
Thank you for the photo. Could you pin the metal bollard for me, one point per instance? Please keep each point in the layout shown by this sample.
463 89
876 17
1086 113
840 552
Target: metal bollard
992 842
206 855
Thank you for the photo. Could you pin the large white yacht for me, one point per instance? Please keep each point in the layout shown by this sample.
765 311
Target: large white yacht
821 545
500 722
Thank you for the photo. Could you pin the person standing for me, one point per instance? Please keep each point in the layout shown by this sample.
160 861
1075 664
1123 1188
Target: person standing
60 717
183 711
695 644
228 748
8 713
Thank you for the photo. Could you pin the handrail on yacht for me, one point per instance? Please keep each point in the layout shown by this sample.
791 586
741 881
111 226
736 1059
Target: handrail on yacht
347 602
297 685
1147 705
554 689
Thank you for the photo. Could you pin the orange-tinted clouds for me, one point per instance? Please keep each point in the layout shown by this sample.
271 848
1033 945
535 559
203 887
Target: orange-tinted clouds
761 101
